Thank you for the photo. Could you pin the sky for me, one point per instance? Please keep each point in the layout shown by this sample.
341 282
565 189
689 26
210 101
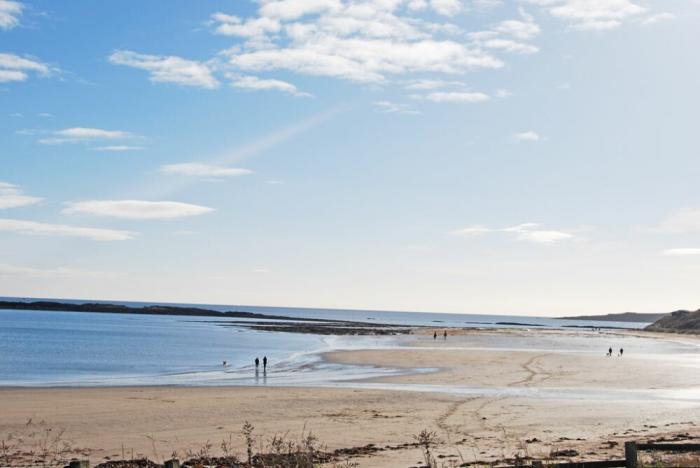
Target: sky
525 157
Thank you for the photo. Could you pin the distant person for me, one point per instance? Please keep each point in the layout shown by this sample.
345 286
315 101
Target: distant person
264 363
444 335
257 363
621 351
609 351
224 363
434 335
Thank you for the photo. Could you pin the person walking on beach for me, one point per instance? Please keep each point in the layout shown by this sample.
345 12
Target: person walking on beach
609 351
257 363
264 363
444 335
621 351
434 335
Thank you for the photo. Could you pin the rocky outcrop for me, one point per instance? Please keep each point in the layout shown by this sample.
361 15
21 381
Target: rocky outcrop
680 321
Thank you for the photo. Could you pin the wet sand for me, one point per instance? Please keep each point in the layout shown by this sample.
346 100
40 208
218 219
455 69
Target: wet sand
485 402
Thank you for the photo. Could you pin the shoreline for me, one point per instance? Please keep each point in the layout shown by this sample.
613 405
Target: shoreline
347 357
540 413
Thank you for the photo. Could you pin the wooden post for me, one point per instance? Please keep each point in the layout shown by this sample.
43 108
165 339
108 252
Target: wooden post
172 463
630 454
79 464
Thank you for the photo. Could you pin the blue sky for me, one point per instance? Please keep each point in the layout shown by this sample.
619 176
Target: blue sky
521 157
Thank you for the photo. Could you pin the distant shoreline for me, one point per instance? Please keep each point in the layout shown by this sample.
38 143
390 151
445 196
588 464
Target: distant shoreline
283 323
623 317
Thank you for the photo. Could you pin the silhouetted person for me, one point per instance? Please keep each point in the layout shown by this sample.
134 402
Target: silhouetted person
621 351
609 351
264 363
257 363
434 335
444 335
224 363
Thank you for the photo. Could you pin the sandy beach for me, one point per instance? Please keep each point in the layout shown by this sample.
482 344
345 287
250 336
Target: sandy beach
485 403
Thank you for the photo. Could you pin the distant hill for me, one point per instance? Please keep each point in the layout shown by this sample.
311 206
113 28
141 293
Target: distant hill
680 321
624 317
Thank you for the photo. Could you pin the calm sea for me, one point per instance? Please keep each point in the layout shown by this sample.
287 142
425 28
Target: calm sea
85 349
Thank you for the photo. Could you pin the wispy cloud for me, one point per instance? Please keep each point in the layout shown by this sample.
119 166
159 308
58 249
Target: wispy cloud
83 134
527 232
657 18
683 221
458 97
34 228
510 45
118 148
592 14
682 252
203 170
168 69
388 107
12 197
10 11
16 68
136 209
527 136
254 83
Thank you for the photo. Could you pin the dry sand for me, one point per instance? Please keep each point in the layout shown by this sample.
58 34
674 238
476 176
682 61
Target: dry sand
155 421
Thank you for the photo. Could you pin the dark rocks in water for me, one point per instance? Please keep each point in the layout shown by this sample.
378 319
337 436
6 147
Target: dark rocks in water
517 324
326 328
106 308
680 321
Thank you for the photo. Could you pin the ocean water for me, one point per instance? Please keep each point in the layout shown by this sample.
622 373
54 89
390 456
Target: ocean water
92 349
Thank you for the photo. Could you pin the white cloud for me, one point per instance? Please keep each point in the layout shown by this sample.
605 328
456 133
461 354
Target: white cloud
118 148
511 46
254 83
592 14
168 69
12 197
527 232
294 9
203 170
16 68
523 30
530 232
34 228
388 107
425 84
527 136
686 220
484 4
471 231
657 18
136 209
455 97
681 252
82 134
356 41
503 93
10 11
446 7
230 25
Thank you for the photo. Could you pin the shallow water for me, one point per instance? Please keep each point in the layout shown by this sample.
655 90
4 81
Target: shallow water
92 349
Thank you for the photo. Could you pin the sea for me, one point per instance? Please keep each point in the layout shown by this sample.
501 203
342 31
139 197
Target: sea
57 349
